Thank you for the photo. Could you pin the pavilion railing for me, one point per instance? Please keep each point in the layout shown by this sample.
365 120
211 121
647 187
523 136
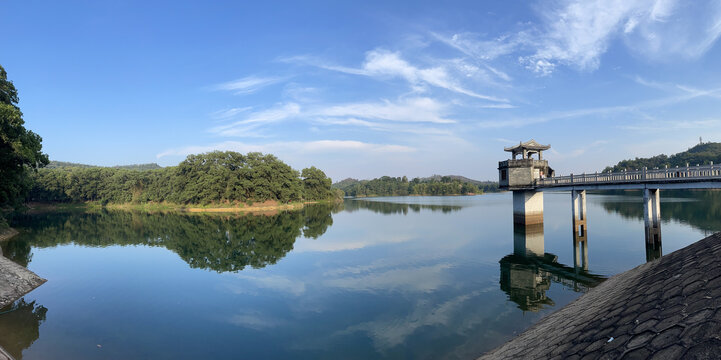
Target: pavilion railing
677 174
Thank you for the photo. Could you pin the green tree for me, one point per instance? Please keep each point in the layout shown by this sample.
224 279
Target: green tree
316 185
20 149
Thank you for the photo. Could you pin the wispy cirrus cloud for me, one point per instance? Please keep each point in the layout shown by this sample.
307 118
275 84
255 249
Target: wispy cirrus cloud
666 126
578 32
289 147
230 113
373 115
249 124
417 109
687 95
247 84
380 63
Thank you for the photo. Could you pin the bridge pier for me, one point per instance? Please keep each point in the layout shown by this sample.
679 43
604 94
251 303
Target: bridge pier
580 229
578 211
652 222
527 207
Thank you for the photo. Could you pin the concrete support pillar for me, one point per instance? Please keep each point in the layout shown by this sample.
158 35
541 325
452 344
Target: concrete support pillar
578 212
528 240
527 207
579 219
652 220
652 214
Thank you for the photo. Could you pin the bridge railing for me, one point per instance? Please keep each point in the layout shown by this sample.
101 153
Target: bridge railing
644 175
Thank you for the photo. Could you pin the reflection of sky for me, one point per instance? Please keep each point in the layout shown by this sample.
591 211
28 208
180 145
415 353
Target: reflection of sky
423 285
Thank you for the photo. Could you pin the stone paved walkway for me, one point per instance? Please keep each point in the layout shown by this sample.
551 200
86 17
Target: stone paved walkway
15 280
4 355
669 308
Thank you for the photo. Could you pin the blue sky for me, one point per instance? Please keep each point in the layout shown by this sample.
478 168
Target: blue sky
371 88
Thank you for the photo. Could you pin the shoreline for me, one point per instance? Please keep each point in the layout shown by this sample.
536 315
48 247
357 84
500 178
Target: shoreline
15 280
264 207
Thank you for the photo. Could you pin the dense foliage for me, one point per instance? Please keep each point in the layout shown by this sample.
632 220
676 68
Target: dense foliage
701 154
20 149
212 178
397 186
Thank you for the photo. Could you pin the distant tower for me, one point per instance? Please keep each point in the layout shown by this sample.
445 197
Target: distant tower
520 174
700 141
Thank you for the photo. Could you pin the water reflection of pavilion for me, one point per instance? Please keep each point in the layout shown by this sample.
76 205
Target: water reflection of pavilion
527 274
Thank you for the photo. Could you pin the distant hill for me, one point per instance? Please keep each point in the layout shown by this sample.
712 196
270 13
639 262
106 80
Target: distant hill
149 166
701 154
63 164
345 183
400 186
486 186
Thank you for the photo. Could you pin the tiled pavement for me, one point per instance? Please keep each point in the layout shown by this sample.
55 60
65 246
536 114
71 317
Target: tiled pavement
669 308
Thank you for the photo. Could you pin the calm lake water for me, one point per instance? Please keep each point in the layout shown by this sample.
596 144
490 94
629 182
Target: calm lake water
402 277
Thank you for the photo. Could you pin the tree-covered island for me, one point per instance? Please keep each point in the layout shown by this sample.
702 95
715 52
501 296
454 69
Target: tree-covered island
215 179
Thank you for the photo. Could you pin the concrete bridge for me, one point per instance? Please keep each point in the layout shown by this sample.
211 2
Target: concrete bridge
529 178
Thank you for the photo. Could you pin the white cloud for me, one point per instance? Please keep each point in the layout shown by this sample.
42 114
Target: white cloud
418 109
318 146
385 127
381 63
479 49
372 115
256 119
247 84
230 113
669 28
666 126
687 95
579 32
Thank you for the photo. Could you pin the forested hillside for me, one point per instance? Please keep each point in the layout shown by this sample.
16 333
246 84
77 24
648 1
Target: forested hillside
20 150
701 154
400 186
63 164
211 178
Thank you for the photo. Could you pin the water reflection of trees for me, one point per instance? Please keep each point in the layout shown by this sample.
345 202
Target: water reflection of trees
396 208
209 241
20 326
702 210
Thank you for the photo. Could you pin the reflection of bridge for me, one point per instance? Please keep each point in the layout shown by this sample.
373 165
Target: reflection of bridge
528 178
